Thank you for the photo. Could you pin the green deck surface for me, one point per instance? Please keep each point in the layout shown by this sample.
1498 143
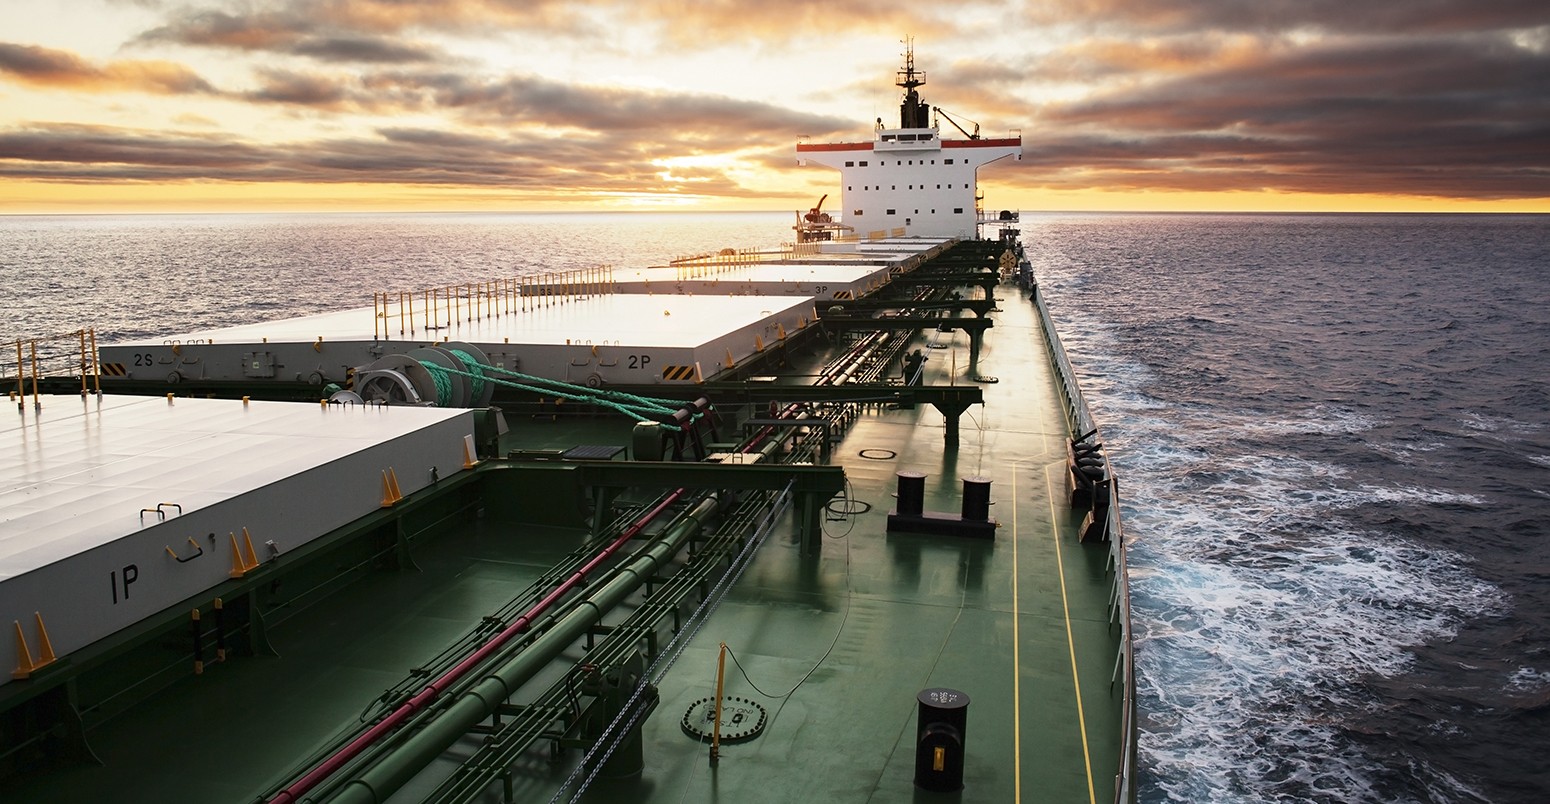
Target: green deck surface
1019 623
994 619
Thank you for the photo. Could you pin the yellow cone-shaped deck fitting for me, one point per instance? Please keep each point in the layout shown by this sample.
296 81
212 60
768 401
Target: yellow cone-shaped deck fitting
469 453
237 568
250 559
24 665
390 493
45 647
387 491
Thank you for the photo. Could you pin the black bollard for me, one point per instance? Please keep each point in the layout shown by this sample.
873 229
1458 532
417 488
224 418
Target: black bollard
976 498
912 493
941 727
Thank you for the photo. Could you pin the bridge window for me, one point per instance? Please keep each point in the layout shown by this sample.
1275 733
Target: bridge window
863 164
857 213
850 163
889 212
944 161
957 210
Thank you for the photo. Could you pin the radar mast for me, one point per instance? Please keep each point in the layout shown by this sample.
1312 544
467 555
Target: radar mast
912 113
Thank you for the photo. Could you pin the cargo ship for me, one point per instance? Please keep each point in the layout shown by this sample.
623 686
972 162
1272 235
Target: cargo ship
823 522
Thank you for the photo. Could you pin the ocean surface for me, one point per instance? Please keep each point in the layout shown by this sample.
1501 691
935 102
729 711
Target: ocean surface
1333 441
1332 435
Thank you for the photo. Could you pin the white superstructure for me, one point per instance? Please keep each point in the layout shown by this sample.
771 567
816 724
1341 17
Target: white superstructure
910 178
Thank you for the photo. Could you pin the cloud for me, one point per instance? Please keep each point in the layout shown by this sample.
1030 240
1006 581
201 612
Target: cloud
46 67
300 31
368 31
1426 97
533 101
1262 16
363 50
302 89
602 165
1437 116
281 25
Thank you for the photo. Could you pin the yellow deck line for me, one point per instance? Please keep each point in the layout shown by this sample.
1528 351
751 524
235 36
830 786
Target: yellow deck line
1017 671
1060 566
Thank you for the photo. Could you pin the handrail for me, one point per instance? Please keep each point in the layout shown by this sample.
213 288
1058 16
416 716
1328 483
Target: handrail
1079 417
442 307
32 363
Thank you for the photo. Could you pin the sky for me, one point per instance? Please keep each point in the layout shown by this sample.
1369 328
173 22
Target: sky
347 105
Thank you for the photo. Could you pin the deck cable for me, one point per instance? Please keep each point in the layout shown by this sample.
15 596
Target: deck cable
784 698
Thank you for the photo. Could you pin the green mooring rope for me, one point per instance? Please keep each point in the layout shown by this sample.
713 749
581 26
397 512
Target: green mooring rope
635 406
476 378
441 376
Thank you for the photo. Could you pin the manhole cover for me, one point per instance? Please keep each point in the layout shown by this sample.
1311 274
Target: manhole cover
741 719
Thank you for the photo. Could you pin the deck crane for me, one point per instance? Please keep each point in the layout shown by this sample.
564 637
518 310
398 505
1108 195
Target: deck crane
816 214
976 135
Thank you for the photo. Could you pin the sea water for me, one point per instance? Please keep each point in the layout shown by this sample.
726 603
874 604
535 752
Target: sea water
1332 434
143 276
1333 441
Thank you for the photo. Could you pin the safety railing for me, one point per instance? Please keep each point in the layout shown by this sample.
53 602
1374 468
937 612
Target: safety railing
1080 418
1007 216
697 266
69 354
431 309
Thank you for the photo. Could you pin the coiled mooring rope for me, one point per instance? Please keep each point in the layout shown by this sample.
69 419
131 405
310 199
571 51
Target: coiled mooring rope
440 375
476 378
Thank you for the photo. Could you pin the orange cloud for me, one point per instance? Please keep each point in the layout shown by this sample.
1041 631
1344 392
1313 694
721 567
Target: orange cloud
45 67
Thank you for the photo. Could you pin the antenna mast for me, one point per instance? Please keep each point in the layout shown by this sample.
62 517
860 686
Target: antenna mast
912 113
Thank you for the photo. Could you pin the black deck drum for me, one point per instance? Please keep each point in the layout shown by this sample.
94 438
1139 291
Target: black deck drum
912 492
941 725
976 498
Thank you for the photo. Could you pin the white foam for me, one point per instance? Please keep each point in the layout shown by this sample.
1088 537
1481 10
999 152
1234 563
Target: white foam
1487 423
1259 608
1528 680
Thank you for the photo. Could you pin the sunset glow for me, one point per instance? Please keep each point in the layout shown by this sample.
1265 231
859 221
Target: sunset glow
1279 105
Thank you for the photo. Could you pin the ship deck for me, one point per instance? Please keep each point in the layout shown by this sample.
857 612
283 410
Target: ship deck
1020 623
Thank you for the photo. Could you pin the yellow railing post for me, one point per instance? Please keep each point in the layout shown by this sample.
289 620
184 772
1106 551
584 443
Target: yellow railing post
21 375
36 403
82 333
96 362
715 734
